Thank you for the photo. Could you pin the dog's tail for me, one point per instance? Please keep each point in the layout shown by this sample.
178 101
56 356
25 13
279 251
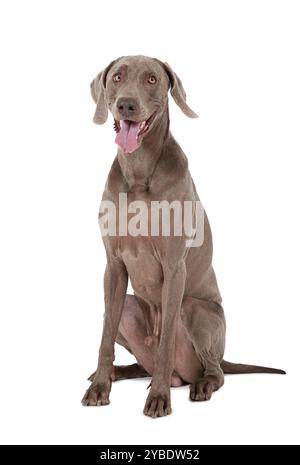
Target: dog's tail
239 368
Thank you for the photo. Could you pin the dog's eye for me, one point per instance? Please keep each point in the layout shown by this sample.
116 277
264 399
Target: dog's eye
117 77
152 80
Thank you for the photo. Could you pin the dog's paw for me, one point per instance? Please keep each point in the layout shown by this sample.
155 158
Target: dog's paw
158 404
203 389
97 394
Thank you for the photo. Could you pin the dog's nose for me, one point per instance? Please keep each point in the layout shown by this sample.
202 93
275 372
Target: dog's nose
127 107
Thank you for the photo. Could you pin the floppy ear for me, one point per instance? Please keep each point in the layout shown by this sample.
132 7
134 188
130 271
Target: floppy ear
98 93
178 92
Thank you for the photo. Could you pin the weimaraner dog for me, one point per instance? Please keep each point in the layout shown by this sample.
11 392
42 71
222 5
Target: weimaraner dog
174 323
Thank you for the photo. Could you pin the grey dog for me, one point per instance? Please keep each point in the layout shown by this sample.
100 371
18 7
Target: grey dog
174 323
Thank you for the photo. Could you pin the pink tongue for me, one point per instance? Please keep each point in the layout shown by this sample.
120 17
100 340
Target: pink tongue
127 136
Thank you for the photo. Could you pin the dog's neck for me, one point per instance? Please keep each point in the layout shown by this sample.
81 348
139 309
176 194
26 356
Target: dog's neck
138 167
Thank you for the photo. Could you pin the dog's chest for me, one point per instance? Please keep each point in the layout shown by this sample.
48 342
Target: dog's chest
143 267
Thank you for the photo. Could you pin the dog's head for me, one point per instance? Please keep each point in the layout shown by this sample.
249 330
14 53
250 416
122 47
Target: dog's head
135 90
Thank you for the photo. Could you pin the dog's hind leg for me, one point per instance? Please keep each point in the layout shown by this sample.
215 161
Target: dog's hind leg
126 372
205 324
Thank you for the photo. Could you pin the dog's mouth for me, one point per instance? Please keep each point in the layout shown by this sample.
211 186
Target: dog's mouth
131 133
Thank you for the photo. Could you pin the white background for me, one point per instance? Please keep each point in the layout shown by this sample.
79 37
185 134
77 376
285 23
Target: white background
239 63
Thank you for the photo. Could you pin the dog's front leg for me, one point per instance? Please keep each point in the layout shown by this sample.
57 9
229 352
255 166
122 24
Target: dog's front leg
158 402
115 286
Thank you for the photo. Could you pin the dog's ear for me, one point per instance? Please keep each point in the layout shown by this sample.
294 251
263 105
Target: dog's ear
98 93
178 92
